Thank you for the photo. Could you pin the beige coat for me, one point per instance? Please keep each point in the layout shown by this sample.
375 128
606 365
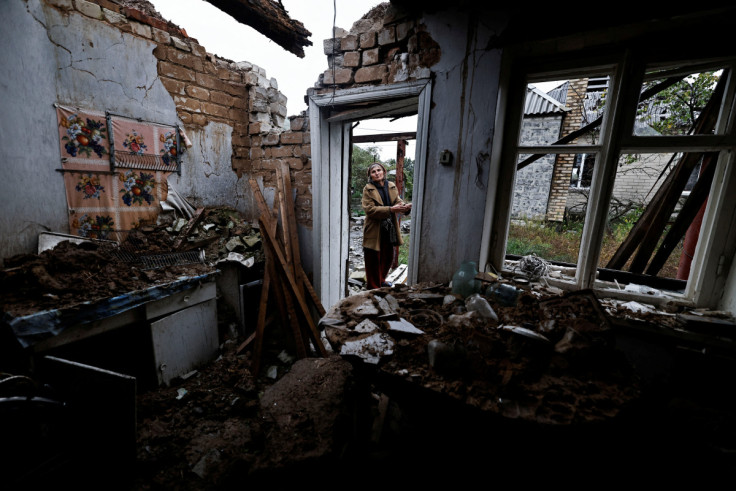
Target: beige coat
375 211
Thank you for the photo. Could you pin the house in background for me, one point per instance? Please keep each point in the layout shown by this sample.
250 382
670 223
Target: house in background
636 181
542 124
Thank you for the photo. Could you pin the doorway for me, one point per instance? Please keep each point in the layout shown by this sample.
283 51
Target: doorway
390 141
332 116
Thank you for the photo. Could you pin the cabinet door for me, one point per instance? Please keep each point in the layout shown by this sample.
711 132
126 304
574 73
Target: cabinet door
185 340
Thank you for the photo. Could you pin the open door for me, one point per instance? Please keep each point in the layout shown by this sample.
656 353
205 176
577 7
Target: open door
330 118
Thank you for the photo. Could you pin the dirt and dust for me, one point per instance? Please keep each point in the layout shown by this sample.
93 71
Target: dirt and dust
546 359
225 426
487 396
124 262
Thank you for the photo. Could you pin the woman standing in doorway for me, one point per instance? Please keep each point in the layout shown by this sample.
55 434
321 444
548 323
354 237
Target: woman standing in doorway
380 202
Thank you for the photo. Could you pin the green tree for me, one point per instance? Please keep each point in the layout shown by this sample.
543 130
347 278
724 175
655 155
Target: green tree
674 110
362 158
408 175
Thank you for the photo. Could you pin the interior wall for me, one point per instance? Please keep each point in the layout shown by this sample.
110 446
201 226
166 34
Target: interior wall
28 130
464 96
104 56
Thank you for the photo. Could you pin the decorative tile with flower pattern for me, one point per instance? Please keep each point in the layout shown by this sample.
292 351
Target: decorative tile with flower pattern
83 135
137 188
89 185
98 227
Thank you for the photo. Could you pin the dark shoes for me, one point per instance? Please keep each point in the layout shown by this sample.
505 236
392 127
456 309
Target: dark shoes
387 283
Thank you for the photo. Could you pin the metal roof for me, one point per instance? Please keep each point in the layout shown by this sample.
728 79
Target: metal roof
538 103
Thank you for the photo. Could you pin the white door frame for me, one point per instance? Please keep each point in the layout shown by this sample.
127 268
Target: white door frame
330 153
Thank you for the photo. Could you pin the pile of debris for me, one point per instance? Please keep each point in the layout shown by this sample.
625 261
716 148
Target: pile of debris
84 270
548 359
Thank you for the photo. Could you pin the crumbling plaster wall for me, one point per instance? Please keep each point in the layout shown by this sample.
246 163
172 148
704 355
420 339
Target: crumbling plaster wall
102 56
451 48
33 198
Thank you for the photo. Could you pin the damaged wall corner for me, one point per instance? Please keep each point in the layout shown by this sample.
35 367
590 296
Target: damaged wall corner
97 56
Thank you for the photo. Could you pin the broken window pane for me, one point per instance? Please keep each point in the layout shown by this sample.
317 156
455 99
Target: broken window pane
653 221
582 171
673 103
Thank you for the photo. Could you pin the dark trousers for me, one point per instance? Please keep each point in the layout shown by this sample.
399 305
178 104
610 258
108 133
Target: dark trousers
378 263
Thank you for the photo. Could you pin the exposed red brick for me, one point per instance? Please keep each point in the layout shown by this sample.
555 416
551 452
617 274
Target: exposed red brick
237 114
296 124
188 104
209 81
295 163
144 18
371 74
109 5
284 151
198 92
222 98
174 71
215 110
175 87
199 119
271 139
291 138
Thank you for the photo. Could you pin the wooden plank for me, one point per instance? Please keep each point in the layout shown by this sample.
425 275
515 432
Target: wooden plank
289 215
286 225
310 290
188 227
245 343
269 224
687 214
302 276
299 342
270 244
287 246
261 324
265 289
261 201
385 137
650 224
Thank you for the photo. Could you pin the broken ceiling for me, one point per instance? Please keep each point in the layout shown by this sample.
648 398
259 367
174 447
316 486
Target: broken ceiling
265 16
270 19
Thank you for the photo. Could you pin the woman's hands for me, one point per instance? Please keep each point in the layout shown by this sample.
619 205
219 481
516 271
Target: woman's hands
401 208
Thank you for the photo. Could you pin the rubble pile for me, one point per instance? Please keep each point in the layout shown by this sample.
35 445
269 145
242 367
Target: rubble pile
71 273
548 359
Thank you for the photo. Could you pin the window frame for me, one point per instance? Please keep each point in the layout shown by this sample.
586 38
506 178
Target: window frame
715 250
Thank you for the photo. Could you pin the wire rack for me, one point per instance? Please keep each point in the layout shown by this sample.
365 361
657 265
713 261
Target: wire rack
134 247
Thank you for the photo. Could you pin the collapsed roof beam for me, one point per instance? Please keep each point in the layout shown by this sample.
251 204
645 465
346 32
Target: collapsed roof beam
270 19
384 137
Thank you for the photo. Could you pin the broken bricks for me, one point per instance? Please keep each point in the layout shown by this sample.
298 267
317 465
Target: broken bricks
365 325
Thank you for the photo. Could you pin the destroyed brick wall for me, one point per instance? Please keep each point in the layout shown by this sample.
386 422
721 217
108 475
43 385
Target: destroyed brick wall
385 46
238 94
119 56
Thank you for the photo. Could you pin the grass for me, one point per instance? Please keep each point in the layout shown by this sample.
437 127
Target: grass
404 250
562 242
